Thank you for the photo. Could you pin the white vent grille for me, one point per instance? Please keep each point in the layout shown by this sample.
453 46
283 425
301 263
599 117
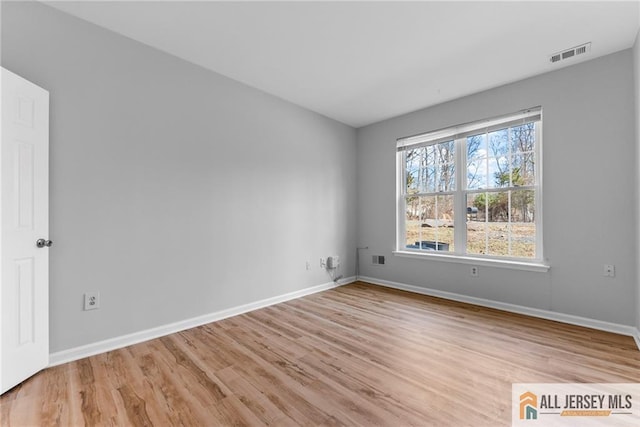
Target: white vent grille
580 50
377 259
570 53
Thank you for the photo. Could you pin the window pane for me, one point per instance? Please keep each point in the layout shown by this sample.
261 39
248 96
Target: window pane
523 240
488 228
523 138
498 207
446 151
497 222
502 223
430 169
523 169
476 175
429 222
523 206
476 227
445 161
412 219
430 180
498 238
477 146
447 177
523 228
445 223
499 143
431 162
476 162
498 172
415 170
412 181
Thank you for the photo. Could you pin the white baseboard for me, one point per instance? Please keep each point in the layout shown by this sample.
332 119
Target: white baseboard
513 308
636 337
92 349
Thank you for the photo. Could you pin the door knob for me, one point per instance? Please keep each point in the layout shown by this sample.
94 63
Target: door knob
41 243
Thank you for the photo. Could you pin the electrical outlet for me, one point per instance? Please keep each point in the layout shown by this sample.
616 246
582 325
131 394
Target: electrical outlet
474 271
323 262
609 270
308 265
91 300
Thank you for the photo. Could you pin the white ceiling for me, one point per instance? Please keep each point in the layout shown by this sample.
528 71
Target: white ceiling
362 62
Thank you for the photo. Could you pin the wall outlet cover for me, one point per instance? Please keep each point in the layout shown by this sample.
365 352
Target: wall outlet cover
609 270
474 271
91 300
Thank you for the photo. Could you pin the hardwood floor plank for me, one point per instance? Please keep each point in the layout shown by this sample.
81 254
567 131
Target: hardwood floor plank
354 355
134 406
170 394
189 367
254 399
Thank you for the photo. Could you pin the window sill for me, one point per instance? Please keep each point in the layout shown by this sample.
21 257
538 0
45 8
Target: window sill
488 262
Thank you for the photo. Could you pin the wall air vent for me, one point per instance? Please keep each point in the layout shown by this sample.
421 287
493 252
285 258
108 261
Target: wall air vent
583 49
377 259
569 53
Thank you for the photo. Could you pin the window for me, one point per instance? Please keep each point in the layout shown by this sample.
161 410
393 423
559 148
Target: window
473 189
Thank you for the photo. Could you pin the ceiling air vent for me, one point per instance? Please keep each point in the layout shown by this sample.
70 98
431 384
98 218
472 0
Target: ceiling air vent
574 51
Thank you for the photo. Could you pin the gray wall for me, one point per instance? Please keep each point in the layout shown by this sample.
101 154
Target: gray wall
636 74
175 192
589 192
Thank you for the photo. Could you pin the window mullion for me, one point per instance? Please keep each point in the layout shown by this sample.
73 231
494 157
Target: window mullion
537 159
459 200
402 200
509 222
486 199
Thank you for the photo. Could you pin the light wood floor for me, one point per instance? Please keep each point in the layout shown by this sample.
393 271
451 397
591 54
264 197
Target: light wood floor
356 355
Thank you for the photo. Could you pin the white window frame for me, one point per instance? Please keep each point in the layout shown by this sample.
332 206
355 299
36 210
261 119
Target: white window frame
459 134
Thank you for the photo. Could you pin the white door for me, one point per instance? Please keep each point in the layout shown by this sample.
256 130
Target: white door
24 219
